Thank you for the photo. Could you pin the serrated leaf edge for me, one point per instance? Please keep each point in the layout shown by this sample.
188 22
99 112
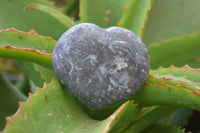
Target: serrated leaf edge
146 18
9 119
113 117
174 38
31 32
170 78
178 68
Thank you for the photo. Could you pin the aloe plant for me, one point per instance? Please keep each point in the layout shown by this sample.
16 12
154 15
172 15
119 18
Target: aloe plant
39 103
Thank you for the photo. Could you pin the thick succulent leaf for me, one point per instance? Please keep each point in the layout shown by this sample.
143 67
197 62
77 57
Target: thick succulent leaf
165 94
186 71
180 117
27 55
31 71
72 8
160 128
170 18
23 40
178 52
135 15
104 13
55 108
150 118
47 74
23 85
9 98
62 18
13 15
172 80
39 45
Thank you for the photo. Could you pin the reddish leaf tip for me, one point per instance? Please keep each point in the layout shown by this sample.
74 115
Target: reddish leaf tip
114 117
124 8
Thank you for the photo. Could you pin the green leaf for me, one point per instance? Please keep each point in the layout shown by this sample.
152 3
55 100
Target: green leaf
72 8
32 72
160 128
26 46
62 18
178 52
172 18
53 109
165 94
185 71
23 40
150 118
104 13
9 98
181 117
12 11
172 80
27 55
135 15
23 85
127 114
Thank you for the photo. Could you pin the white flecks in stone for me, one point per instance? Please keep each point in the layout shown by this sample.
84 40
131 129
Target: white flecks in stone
62 81
124 78
72 67
102 70
128 90
120 62
137 40
110 88
111 47
78 68
142 70
118 41
67 49
113 82
89 81
92 59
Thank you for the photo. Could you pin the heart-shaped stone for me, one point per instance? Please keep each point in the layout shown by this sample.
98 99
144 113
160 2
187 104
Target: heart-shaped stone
100 67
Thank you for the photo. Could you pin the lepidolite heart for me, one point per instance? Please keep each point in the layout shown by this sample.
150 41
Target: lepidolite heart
100 67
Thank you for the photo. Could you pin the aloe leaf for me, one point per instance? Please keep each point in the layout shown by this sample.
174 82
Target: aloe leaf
62 18
161 128
178 52
164 94
47 74
172 18
135 15
55 108
72 8
26 46
23 85
27 55
12 11
9 98
39 45
126 114
181 117
172 80
31 71
104 13
150 118
23 40
185 71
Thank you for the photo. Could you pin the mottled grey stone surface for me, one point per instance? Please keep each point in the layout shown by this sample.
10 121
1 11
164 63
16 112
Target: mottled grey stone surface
100 67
